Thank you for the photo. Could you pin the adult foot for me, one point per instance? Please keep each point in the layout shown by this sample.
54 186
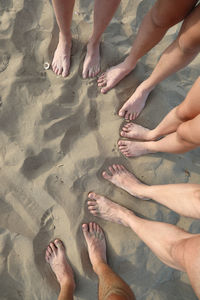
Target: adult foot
96 243
125 180
134 131
135 104
61 59
133 149
113 76
56 257
91 65
104 208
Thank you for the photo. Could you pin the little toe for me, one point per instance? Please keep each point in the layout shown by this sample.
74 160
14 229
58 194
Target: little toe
93 196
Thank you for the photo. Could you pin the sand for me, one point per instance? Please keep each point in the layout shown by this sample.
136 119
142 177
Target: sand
57 135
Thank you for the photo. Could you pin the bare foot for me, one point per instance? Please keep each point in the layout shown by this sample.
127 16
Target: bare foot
104 208
91 65
113 76
133 149
125 180
96 243
134 131
56 257
61 60
135 104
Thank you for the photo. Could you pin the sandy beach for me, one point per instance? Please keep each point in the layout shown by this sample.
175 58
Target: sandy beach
58 135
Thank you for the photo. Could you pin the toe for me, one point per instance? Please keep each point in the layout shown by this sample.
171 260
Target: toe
53 247
111 169
93 196
106 175
91 203
105 90
59 244
90 227
102 83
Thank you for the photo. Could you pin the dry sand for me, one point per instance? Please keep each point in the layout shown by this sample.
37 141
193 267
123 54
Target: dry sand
57 135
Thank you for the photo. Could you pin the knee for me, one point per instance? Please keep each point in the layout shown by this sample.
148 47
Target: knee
162 20
189 44
182 113
181 133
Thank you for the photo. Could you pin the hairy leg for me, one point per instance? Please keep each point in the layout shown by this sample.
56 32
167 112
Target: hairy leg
56 257
172 245
111 286
184 199
178 55
103 13
61 61
157 21
160 237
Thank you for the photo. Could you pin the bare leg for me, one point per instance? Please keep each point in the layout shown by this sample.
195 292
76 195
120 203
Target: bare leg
184 199
187 110
157 21
111 286
103 13
55 256
178 55
173 246
61 61
172 143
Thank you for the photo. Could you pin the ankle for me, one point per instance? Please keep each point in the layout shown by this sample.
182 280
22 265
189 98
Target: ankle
65 37
152 135
93 43
147 86
67 283
100 267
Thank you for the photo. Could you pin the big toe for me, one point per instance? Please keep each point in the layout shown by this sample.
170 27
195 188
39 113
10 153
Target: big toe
106 175
59 244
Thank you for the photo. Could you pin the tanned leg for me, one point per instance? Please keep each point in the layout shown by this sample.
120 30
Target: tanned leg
111 286
157 21
184 199
178 55
56 257
103 13
172 245
61 61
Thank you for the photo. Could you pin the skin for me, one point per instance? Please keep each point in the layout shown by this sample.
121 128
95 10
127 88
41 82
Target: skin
179 128
111 286
63 11
172 245
178 55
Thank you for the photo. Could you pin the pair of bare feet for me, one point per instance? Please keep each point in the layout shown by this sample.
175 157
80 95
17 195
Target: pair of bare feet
98 206
136 148
56 257
91 68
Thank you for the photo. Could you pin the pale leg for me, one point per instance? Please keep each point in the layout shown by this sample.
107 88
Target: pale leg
184 199
56 257
61 61
103 13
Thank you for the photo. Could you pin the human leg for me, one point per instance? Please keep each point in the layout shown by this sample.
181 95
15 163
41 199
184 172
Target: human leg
157 21
111 286
56 257
103 13
184 199
61 61
178 55
172 245
187 110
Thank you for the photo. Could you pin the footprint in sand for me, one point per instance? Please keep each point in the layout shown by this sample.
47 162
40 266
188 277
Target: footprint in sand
4 61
